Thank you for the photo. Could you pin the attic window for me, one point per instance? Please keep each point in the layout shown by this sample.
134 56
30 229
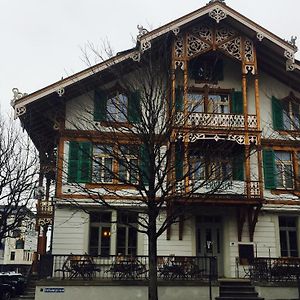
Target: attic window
207 70
117 107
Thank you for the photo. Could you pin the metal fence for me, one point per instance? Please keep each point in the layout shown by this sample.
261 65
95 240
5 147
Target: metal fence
282 269
88 267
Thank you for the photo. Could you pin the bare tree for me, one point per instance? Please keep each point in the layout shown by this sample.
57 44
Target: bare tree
18 169
142 129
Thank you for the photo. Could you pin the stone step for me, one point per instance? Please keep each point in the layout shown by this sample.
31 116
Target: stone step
235 282
235 289
239 298
239 294
244 288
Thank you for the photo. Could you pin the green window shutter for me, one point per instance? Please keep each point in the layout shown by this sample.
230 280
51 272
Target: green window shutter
269 168
144 165
277 114
179 161
179 99
237 105
134 107
238 166
85 158
73 162
100 102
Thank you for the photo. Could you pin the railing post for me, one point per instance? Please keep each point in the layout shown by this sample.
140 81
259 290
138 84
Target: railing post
209 276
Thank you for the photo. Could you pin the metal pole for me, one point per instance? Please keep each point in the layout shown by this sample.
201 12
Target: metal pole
210 288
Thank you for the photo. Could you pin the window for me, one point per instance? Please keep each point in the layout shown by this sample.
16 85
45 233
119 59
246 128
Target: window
117 108
197 167
128 164
195 102
218 104
288 236
100 233
216 166
291 115
20 244
284 170
218 169
208 101
12 255
206 69
127 234
102 163
278 169
286 113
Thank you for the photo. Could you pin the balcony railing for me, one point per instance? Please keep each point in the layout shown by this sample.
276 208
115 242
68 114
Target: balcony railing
80 267
282 269
44 207
221 187
215 120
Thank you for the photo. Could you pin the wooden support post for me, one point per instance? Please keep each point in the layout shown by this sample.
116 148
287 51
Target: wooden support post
247 146
186 116
259 153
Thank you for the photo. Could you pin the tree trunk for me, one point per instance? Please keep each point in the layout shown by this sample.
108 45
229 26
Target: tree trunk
152 254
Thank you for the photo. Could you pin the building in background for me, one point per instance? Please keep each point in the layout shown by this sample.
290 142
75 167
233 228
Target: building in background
17 251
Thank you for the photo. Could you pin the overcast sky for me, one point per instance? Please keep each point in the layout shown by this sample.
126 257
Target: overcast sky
41 40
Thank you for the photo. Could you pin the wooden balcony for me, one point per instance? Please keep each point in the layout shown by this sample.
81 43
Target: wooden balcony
44 208
216 121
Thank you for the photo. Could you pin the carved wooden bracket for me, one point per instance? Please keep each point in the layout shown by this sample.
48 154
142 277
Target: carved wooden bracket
253 213
241 218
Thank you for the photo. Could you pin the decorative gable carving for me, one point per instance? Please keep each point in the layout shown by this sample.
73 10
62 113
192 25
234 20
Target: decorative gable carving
203 38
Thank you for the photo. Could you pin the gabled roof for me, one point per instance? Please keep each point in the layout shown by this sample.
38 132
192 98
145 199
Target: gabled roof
215 9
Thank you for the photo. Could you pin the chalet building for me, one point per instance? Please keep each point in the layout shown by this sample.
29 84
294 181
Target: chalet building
233 83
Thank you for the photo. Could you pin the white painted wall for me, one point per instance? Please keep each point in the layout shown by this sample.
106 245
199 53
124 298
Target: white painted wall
70 231
116 292
173 292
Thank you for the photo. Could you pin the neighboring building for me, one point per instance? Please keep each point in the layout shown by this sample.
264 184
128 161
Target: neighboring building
244 82
18 249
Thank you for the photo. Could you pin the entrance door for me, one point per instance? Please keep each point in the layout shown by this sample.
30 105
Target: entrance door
209 238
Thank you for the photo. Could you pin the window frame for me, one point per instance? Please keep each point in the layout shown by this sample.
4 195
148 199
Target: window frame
286 230
289 114
121 116
129 158
100 225
205 104
128 225
101 166
279 163
208 170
